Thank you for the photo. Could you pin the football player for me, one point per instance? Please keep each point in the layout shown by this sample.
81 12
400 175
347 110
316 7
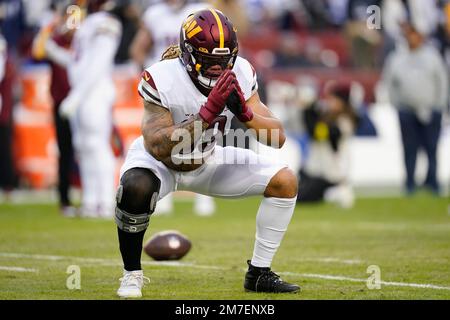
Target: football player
89 104
199 85
151 41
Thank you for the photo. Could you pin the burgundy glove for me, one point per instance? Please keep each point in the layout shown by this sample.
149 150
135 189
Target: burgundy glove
237 104
218 96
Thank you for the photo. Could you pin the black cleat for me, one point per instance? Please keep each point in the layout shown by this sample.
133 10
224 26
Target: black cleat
264 280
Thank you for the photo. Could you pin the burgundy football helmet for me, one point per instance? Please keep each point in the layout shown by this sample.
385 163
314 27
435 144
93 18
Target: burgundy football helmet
208 44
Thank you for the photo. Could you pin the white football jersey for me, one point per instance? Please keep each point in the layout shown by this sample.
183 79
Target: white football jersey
164 23
168 85
85 48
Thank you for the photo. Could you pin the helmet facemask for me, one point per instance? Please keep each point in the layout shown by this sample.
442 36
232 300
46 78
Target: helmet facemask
208 67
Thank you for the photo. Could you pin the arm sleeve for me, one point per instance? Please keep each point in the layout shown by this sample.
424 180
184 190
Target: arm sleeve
58 54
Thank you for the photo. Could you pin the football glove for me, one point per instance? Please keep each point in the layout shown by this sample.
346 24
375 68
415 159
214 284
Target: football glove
238 106
218 96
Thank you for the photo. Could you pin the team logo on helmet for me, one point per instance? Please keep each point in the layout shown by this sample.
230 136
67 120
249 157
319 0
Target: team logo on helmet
208 44
190 27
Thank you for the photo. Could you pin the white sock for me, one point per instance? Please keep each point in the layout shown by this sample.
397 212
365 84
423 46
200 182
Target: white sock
165 205
274 215
204 205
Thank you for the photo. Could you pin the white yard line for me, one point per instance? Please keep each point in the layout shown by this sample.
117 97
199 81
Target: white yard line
114 262
101 261
343 278
17 269
333 260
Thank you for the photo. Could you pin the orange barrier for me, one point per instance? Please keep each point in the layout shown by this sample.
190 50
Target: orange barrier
35 154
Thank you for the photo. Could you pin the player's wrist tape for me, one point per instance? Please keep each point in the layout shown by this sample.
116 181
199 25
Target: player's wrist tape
131 222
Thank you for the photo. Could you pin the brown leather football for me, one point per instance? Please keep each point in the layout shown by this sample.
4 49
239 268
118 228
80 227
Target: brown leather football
167 245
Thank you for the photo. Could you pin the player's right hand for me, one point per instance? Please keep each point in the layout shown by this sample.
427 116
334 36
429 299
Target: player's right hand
218 96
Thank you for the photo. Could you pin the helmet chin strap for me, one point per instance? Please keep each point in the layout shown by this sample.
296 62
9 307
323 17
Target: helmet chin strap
206 82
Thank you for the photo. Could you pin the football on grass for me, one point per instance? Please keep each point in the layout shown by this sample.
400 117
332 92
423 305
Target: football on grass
167 245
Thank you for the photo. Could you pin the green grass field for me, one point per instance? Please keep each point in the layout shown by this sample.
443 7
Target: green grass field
326 250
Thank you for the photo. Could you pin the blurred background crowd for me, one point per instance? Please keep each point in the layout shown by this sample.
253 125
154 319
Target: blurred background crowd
361 86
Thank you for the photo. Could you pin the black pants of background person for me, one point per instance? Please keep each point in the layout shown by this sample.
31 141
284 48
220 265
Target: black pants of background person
312 189
7 170
66 156
417 135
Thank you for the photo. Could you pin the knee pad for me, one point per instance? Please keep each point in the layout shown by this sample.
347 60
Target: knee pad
136 199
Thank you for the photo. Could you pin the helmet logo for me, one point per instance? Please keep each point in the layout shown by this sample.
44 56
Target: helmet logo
190 27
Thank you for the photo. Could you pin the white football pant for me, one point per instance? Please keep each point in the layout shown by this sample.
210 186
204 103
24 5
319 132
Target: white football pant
92 128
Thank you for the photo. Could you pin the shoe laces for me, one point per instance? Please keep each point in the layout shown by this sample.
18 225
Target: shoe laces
270 275
134 279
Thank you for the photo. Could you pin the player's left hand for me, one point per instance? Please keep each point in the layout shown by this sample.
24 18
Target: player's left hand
69 106
237 104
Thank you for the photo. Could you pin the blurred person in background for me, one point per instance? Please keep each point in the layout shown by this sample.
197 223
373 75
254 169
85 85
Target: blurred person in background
329 124
338 11
443 35
394 12
89 103
236 11
128 15
52 44
417 81
153 38
3 57
13 24
364 42
316 14
7 175
12 30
